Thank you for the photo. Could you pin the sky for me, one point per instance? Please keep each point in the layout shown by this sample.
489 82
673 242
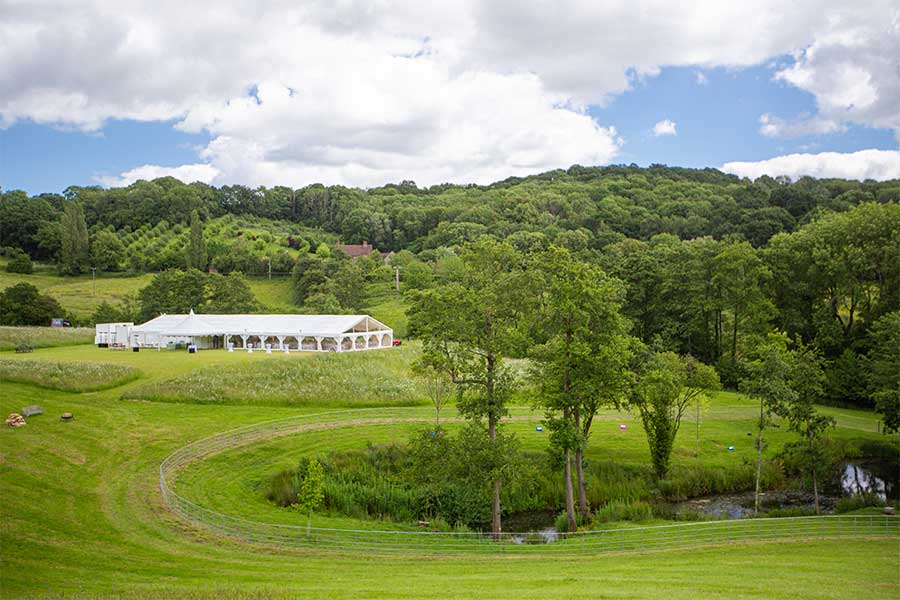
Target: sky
366 93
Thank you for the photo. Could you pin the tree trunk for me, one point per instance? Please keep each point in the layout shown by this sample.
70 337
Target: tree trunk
492 434
572 526
734 339
579 474
759 437
579 468
495 506
815 478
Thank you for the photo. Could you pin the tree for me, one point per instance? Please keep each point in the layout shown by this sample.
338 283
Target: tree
884 369
21 218
229 294
196 250
437 386
75 252
348 285
22 304
107 251
579 317
173 291
667 384
466 328
741 276
808 381
769 380
312 491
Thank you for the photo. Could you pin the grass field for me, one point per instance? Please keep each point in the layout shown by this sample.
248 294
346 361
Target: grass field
82 514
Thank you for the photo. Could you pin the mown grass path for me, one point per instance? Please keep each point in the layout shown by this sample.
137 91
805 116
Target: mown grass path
81 514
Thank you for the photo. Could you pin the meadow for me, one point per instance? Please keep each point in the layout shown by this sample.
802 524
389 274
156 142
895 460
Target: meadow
44 337
377 378
83 516
71 376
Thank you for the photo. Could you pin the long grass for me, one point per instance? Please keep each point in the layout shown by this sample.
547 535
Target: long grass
69 376
347 379
44 337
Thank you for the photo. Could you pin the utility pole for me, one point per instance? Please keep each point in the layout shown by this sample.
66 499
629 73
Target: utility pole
94 280
269 260
397 278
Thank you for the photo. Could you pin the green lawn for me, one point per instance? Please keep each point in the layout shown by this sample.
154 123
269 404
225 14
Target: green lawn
82 515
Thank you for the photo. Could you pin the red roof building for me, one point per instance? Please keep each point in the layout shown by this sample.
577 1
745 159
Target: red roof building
356 250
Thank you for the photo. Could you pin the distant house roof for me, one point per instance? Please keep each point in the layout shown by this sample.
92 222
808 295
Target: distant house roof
356 250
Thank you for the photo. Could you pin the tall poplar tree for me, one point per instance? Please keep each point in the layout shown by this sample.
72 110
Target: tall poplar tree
75 253
196 251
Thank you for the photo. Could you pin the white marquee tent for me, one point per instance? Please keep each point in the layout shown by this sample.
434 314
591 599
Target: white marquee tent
315 333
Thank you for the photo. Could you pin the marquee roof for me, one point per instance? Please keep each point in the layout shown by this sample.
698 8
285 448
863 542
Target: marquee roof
202 325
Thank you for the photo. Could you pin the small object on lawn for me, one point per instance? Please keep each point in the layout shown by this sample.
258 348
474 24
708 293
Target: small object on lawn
424 524
749 433
731 448
538 428
776 425
623 426
15 420
888 510
397 343
67 416
30 411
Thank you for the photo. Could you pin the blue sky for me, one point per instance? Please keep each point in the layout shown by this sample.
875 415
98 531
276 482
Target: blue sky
361 94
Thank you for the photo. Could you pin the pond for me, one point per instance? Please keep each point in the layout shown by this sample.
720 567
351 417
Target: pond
879 477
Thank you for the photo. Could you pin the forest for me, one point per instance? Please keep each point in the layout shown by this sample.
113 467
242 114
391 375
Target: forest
708 264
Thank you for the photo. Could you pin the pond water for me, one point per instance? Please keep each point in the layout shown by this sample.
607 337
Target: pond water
865 476
881 478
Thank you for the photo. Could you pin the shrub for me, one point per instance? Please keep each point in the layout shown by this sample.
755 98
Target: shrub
19 262
852 503
624 511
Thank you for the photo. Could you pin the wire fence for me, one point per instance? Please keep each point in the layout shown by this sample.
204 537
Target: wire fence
625 539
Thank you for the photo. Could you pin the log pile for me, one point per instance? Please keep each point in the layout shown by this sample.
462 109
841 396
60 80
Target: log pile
15 420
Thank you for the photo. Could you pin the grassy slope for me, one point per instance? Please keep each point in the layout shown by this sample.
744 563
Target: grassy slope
81 513
76 294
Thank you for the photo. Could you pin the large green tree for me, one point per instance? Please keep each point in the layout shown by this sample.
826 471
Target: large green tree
107 251
467 327
580 322
23 304
173 291
666 386
884 369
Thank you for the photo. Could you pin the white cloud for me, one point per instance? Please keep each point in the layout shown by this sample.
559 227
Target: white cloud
701 78
361 93
865 164
773 127
853 70
665 127
186 173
